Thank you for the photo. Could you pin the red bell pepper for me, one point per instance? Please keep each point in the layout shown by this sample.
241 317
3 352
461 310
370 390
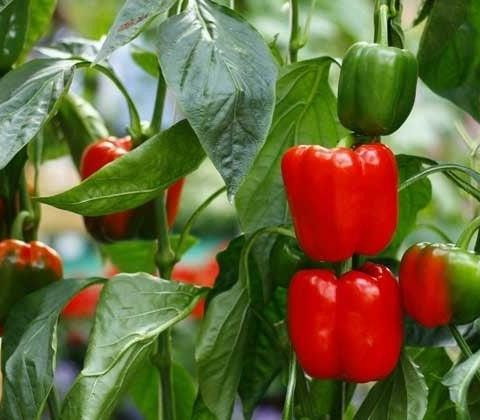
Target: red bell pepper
342 201
123 225
350 328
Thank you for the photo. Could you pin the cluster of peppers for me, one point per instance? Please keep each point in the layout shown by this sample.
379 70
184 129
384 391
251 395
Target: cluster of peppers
348 324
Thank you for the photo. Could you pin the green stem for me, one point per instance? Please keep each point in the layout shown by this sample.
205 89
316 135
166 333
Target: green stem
381 35
53 404
135 123
163 361
293 45
188 226
339 408
18 227
289 397
164 258
232 4
462 344
466 236
157 115
438 168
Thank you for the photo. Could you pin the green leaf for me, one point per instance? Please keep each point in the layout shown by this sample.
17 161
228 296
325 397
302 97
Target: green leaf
424 11
434 364
305 113
223 75
146 60
449 53
135 256
458 381
13 30
27 98
80 123
136 177
265 337
39 21
411 200
144 392
133 310
4 3
403 395
130 21
29 348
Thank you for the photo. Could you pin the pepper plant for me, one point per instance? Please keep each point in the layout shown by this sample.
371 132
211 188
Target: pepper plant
314 294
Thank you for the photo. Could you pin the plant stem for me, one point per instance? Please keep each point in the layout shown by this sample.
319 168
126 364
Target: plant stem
466 236
163 361
157 114
339 408
382 32
164 258
232 4
293 45
289 397
303 395
193 218
135 124
464 347
53 405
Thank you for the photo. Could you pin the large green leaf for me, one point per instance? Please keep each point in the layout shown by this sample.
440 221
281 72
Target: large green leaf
449 53
13 31
39 20
131 19
29 349
226 333
402 396
411 200
133 310
305 113
224 76
136 177
458 381
265 337
27 97
434 364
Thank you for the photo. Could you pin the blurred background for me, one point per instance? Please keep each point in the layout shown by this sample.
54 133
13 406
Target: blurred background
431 130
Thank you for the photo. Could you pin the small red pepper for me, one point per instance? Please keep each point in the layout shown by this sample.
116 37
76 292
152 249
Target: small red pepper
342 201
123 225
350 328
24 268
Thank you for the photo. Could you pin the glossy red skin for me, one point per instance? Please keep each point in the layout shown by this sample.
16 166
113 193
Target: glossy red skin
424 288
350 328
342 201
115 226
34 254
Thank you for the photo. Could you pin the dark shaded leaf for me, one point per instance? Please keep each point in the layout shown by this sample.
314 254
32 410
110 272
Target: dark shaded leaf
224 76
29 348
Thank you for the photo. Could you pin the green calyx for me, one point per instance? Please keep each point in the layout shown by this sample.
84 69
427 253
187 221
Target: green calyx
377 88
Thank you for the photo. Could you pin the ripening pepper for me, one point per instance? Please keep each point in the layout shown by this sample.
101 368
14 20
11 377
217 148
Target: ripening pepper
376 90
440 284
24 268
342 201
129 224
347 328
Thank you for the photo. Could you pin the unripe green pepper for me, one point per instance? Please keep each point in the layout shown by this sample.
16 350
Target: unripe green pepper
376 90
